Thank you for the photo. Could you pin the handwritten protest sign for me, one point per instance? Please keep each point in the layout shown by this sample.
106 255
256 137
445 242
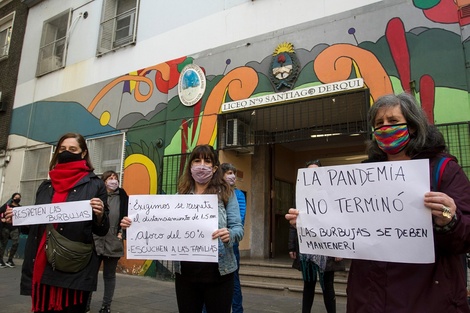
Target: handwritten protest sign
62 212
370 211
173 227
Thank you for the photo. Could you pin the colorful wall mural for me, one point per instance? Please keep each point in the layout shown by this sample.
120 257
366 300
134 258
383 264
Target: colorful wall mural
428 61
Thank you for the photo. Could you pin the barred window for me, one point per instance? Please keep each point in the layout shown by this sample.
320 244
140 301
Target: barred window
118 24
53 47
6 27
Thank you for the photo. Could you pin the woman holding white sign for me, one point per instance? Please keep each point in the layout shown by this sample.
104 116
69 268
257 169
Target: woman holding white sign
402 132
58 284
203 283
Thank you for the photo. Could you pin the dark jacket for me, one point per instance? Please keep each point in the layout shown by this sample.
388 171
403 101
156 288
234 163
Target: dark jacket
110 245
293 246
88 187
439 287
3 209
123 206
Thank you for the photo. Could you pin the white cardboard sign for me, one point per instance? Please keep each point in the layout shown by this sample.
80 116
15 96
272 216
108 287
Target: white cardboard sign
173 227
372 211
61 212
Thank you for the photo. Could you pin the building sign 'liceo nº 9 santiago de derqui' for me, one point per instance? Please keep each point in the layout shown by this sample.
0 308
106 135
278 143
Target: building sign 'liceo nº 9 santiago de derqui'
293 95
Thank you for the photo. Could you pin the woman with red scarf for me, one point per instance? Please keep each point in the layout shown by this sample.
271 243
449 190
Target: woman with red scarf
71 179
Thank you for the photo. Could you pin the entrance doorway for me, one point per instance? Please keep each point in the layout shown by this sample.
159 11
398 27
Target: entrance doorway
282 138
286 162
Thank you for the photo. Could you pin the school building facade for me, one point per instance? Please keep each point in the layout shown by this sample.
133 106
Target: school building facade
270 84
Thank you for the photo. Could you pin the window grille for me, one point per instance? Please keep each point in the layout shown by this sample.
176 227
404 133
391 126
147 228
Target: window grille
118 26
313 119
173 167
53 47
35 171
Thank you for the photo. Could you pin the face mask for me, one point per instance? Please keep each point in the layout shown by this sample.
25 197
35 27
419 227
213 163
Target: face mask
67 156
201 173
230 179
392 138
17 201
112 184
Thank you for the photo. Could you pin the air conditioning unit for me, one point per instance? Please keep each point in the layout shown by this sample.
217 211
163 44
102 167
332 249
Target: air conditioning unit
237 133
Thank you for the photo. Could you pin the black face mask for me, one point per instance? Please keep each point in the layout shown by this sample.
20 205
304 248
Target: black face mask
17 201
67 156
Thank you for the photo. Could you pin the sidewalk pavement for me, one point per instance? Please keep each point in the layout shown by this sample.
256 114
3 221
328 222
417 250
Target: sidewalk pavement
139 294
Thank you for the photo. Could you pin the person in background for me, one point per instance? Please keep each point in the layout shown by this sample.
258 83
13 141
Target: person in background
402 132
293 247
204 283
229 171
110 247
8 231
71 179
312 266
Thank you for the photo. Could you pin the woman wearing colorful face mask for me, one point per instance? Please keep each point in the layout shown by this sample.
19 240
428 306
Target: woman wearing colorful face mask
71 179
402 132
110 248
203 283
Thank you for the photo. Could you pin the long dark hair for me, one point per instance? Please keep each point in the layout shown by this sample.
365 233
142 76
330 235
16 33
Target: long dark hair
81 143
217 184
423 136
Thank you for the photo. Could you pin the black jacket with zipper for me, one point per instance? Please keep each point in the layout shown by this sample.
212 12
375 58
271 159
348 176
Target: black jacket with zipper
91 186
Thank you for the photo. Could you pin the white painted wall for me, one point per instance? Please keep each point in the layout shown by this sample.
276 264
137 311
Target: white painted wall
166 30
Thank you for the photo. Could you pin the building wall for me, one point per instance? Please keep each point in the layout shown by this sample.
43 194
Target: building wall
394 45
8 79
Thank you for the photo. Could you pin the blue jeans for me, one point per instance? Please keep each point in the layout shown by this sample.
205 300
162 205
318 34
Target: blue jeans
237 306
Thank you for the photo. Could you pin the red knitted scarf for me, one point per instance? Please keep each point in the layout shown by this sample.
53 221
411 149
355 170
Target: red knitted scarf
63 178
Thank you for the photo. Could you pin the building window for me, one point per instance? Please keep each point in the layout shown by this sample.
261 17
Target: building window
107 153
118 24
6 26
53 43
35 171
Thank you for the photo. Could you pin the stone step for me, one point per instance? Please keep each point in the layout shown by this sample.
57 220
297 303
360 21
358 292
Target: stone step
278 277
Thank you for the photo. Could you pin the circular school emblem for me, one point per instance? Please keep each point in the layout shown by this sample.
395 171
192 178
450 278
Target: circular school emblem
191 85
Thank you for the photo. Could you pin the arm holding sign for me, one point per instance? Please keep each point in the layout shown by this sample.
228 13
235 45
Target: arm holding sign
233 232
452 234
